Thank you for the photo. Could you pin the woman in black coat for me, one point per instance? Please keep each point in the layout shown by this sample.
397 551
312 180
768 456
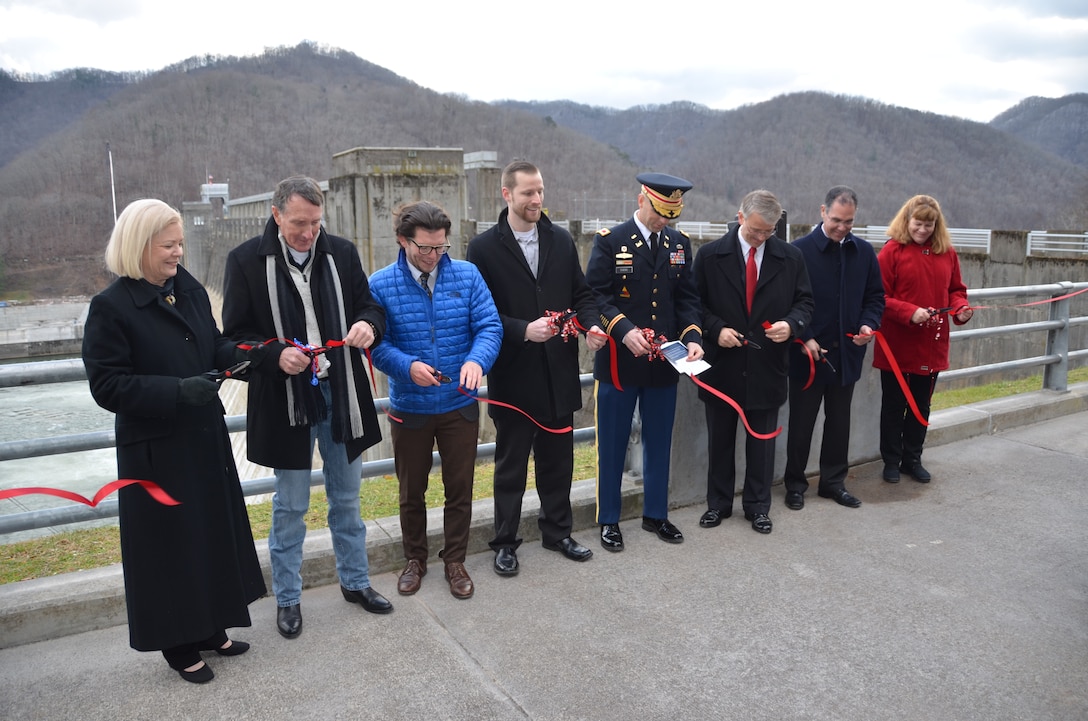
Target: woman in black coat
191 570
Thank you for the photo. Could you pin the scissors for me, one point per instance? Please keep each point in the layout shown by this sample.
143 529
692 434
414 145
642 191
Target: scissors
234 370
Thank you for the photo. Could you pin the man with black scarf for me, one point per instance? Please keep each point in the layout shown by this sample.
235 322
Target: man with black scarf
291 288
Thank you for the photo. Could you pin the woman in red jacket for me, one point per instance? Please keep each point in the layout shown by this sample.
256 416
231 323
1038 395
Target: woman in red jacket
923 291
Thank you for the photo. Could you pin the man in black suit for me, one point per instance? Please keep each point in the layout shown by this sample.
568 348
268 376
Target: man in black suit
532 267
756 295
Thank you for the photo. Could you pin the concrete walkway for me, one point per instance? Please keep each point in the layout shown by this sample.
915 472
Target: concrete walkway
963 599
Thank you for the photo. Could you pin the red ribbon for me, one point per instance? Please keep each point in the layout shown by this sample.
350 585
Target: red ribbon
655 344
153 489
565 323
811 364
1024 305
903 386
566 429
613 364
738 409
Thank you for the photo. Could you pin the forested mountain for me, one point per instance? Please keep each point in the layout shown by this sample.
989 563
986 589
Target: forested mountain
800 144
1059 125
252 121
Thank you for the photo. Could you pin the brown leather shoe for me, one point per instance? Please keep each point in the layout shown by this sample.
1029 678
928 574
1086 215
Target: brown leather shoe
411 577
460 583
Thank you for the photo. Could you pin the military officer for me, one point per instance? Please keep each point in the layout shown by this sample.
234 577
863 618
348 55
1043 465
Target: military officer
640 271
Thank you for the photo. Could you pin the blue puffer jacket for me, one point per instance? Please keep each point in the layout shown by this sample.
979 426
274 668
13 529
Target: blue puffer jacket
459 324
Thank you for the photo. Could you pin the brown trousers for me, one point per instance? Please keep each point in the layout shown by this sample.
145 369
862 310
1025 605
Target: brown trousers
413 443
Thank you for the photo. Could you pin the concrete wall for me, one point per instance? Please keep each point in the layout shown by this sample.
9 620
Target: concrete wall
369 183
36 330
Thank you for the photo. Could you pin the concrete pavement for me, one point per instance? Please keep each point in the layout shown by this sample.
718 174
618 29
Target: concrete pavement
963 599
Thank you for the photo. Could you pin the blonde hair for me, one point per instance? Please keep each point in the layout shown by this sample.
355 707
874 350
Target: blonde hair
925 209
138 223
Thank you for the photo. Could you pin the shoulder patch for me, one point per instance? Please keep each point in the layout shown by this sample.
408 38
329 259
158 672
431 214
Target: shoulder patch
603 232
684 234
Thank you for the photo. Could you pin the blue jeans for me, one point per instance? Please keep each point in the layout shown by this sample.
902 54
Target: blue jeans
292 500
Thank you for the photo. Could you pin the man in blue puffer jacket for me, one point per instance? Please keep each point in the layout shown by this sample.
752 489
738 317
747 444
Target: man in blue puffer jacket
442 335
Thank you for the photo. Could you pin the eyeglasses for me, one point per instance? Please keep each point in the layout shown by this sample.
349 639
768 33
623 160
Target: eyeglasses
757 233
428 249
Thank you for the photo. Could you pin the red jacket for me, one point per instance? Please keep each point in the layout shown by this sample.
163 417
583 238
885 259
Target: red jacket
916 277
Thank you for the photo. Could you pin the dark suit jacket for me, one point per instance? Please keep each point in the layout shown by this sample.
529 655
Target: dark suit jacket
849 293
635 287
247 317
754 378
539 378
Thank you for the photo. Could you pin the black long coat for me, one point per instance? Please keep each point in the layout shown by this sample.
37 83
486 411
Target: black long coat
754 378
539 378
247 316
190 570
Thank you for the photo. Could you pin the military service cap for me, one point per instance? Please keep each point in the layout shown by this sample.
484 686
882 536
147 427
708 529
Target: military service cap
665 192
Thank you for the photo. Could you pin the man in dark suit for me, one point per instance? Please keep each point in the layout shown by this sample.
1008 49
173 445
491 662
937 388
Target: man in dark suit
297 282
756 296
532 267
849 296
641 273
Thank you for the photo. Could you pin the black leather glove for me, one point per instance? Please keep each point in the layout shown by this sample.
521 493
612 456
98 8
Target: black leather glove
197 390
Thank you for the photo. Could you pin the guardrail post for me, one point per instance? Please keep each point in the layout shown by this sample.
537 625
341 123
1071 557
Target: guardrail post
1056 375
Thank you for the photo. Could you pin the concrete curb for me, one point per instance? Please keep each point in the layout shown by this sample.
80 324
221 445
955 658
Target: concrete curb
72 603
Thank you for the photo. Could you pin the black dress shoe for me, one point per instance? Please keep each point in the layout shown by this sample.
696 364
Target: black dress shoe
917 472
891 473
570 548
611 538
795 500
760 522
840 496
236 648
369 599
289 620
506 562
712 518
664 530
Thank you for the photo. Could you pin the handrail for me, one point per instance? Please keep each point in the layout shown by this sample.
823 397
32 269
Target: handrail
1055 362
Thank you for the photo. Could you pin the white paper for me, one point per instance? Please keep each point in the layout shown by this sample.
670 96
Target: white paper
676 353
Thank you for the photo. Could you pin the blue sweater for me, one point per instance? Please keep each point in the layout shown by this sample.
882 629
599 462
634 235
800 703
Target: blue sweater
457 325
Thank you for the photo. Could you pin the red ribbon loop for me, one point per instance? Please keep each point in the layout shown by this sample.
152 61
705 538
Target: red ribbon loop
153 489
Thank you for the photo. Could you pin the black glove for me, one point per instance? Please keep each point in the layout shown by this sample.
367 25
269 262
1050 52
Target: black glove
197 391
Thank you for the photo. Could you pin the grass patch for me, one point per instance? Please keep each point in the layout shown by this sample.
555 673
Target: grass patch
92 548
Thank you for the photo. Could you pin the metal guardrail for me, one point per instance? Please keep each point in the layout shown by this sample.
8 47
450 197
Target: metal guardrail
962 238
1055 362
79 513
1041 242
1056 357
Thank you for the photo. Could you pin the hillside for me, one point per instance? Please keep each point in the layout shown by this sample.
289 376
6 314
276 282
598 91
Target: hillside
251 121
800 144
1059 125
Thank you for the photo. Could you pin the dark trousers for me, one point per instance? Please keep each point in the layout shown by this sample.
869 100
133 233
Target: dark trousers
456 437
721 476
615 413
901 435
835 445
515 437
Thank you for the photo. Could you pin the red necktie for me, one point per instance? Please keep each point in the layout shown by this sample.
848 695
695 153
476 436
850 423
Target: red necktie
751 277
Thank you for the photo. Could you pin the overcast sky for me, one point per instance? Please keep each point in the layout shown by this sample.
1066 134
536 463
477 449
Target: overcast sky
966 58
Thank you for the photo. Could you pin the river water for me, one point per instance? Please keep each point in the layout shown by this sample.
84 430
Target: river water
41 411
